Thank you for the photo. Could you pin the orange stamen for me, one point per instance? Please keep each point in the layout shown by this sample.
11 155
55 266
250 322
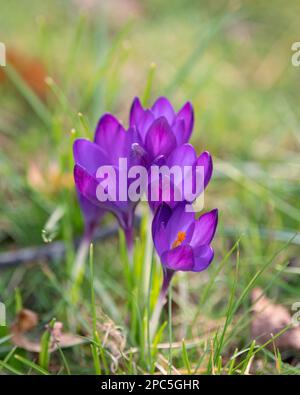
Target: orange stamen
180 238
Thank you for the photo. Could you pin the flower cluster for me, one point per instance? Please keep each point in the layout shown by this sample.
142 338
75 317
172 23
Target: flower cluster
156 135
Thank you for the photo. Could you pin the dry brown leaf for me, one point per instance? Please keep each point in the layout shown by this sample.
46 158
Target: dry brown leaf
50 180
32 70
113 337
268 319
27 320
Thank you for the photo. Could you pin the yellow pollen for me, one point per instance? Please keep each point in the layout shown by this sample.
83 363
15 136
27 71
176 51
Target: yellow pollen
179 239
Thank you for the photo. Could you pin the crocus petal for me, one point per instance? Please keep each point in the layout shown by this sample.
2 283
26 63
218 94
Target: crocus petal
205 160
180 258
144 124
184 155
159 185
161 217
140 119
178 129
171 184
205 228
159 223
180 221
92 214
163 108
203 256
111 136
89 155
187 115
155 185
87 185
136 112
160 139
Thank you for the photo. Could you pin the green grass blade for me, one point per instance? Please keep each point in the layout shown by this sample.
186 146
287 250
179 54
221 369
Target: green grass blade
32 99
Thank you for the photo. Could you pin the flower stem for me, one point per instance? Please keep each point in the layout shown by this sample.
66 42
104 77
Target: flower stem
168 274
170 328
148 264
80 259
148 312
129 236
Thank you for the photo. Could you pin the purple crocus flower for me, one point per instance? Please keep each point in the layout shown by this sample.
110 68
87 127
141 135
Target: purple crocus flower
159 129
111 142
182 243
183 157
181 240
